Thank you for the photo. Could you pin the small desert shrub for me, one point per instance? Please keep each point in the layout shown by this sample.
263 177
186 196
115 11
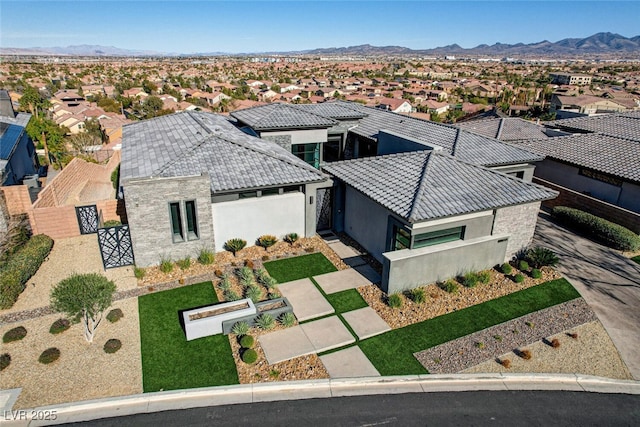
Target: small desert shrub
49 355
247 341
261 274
450 286
525 354
231 295
245 273
240 328
218 273
166 265
480 345
506 268
59 326
115 315
184 263
470 280
555 343
235 245
274 373
287 319
265 257
112 345
291 238
266 321
506 363
5 361
498 338
248 263
394 300
418 295
484 276
273 294
206 256
253 292
573 335
270 282
15 334
267 240
246 282
112 223
536 274
518 278
309 250
530 324
225 284
541 257
139 272
249 356
523 265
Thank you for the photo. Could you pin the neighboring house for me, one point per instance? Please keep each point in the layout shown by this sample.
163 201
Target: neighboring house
18 159
508 129
395 105
600 157
570 79
569 106
192 180
427 216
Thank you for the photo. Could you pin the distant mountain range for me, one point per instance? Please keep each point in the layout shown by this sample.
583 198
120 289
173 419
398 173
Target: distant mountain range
597 44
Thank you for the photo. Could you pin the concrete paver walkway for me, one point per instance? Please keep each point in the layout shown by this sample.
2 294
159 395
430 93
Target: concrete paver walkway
342 280
609 282
307 301
313 337
365 322
349 363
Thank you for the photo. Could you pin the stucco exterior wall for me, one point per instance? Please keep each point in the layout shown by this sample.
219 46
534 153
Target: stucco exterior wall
365 221
410 268
147 202
476 225
519 223
249 219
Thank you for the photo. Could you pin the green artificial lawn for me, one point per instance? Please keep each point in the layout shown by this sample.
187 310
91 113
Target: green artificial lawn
392 352
169 361
288 269
346 301
636 259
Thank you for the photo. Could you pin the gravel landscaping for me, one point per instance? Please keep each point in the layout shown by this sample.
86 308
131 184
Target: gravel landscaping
457 355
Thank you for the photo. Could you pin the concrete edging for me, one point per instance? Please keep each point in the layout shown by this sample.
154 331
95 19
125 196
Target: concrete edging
312 389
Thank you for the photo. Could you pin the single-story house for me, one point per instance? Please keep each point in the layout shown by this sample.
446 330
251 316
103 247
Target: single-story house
192 180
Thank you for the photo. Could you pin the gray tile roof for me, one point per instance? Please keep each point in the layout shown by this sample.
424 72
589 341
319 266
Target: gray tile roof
425 185
623 125
332 110
190 143
466 146
281 116
504 129
609 154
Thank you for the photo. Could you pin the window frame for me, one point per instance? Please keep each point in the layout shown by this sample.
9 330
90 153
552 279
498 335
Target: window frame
193 234
180 236
437 237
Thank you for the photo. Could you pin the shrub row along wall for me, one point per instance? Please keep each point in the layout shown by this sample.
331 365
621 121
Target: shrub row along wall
573 199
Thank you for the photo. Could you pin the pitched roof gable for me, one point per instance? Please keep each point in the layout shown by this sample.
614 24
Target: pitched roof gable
281 116
425 185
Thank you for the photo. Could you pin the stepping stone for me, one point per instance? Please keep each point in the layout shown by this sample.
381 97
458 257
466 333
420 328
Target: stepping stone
365 322
349 363
368 272
285 344
342 250
341 280
327 333
354 261
306 300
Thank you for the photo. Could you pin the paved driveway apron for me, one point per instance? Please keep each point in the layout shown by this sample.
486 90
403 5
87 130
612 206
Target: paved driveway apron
609 282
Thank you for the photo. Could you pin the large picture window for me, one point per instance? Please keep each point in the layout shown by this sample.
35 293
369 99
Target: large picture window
310 153
437 237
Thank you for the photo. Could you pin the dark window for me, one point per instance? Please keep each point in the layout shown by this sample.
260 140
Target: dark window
192 219
437 237
248 194
599 176
270 191
519 174
176 222
292 189
401 239
310 153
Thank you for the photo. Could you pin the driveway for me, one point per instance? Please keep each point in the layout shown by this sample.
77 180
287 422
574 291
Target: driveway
609 282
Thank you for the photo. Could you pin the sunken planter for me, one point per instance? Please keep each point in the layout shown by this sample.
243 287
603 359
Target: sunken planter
206 321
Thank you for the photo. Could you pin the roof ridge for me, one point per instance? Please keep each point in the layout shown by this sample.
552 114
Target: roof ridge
421 185
500 127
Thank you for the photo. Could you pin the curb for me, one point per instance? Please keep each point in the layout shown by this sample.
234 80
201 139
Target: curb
310 389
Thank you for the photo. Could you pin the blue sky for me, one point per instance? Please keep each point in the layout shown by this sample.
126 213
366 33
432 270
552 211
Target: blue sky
258 26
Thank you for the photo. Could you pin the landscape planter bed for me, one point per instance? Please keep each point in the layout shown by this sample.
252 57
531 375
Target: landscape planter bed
275 307
206 321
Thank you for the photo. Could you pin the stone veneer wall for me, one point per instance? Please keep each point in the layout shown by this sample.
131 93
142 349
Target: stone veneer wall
283 141
147 203
519 222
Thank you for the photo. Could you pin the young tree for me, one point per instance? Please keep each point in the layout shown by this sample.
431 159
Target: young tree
84 297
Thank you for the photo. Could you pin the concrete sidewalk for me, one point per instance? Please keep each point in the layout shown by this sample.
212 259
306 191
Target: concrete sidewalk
296 390
609 282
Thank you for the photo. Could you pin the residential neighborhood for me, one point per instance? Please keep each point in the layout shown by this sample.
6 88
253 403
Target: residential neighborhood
218 223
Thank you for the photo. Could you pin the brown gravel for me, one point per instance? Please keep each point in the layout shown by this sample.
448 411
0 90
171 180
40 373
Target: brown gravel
301 368
440 302
464 352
